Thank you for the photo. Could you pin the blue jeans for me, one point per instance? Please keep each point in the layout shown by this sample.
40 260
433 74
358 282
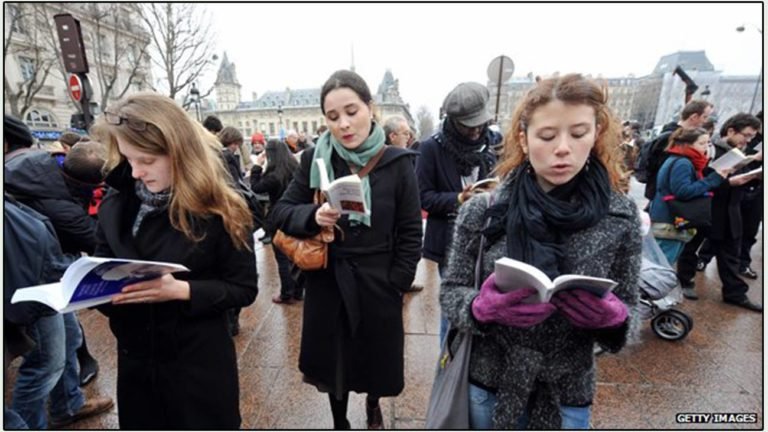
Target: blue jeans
672 249
50 370
443 319
12 420
482 403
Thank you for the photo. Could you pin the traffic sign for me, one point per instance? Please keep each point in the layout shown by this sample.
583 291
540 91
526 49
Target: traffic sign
75 87
501 69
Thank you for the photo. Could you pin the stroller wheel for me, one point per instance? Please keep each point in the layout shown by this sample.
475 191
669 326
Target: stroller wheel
670 325
684 316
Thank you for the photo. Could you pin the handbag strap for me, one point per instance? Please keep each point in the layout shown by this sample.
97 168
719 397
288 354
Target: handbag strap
480 253
671 196
372 162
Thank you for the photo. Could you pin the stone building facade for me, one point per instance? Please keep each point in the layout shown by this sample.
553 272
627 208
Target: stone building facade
33 43
276 111
657 98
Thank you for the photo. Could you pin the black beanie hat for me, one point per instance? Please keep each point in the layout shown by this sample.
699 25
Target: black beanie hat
16 133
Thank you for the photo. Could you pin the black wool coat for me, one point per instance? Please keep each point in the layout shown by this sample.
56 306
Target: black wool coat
353 319
35 179
440 185
726 203
176 363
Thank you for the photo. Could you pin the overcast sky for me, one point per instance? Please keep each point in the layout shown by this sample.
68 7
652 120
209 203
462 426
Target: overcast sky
432 47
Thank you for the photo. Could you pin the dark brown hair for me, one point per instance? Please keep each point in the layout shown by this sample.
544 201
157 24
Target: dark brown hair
345 79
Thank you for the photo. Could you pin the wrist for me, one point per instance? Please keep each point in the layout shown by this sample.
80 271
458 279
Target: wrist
460 198
183 290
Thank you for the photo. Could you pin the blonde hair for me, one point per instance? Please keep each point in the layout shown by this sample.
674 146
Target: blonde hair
572 89
200 184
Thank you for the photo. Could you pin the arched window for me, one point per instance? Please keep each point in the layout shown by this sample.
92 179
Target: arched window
41 118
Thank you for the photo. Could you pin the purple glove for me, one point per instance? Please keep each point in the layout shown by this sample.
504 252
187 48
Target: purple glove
506 308
588 311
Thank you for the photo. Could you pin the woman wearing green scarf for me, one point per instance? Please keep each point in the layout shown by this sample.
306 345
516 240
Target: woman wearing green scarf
352 335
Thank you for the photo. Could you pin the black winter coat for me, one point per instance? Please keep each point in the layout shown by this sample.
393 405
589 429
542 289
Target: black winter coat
439 185
35 179
177 366
353 309
726 204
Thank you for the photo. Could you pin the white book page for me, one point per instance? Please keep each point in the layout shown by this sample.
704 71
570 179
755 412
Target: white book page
87 303
346 195
512 274
50 294
728 160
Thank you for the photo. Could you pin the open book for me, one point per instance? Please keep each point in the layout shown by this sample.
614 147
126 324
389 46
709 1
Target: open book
757 172
485 184
735 159
513 274
91 281
345 193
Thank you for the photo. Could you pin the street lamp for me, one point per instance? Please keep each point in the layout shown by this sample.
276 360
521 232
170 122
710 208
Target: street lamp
280 121
194 95
741 29
706 92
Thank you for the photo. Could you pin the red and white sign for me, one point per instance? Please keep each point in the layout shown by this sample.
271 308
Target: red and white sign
75 87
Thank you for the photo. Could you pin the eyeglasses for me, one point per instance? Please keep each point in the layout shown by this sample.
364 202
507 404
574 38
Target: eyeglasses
114 119
748 136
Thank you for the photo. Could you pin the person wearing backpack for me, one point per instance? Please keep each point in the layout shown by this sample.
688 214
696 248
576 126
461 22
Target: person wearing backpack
726 234
652 155
31 256
50 370
681 175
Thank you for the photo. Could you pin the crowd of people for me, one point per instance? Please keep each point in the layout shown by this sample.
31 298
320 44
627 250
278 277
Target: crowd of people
151 183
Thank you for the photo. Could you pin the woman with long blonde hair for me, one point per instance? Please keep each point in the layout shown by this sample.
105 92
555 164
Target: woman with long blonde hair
170 200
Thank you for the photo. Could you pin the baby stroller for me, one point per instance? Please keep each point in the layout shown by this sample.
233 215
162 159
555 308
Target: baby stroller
659 293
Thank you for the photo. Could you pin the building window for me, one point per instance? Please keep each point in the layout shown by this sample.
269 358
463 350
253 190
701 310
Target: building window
41 118
240 124
263 127
18 21
27 66
314 126
105 48
304 126
296 126
248 132
271 128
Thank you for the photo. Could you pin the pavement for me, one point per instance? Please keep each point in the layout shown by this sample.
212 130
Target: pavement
651 384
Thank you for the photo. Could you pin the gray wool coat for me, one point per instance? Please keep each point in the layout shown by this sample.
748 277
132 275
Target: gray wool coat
553 361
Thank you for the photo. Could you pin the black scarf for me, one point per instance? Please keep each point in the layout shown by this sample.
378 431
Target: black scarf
150 203
535 221
466 153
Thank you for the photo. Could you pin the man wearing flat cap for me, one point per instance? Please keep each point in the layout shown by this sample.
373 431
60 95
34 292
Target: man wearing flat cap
451 161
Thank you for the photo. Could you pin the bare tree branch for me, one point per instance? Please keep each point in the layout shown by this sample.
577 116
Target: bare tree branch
424 122
29 45
182 43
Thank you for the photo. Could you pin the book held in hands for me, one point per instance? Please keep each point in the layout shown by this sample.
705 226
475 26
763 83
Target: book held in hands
485 184
734 159
345 193
92 281
512 274
755 173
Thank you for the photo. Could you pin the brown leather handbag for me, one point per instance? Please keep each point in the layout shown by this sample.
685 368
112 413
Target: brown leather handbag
311 253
